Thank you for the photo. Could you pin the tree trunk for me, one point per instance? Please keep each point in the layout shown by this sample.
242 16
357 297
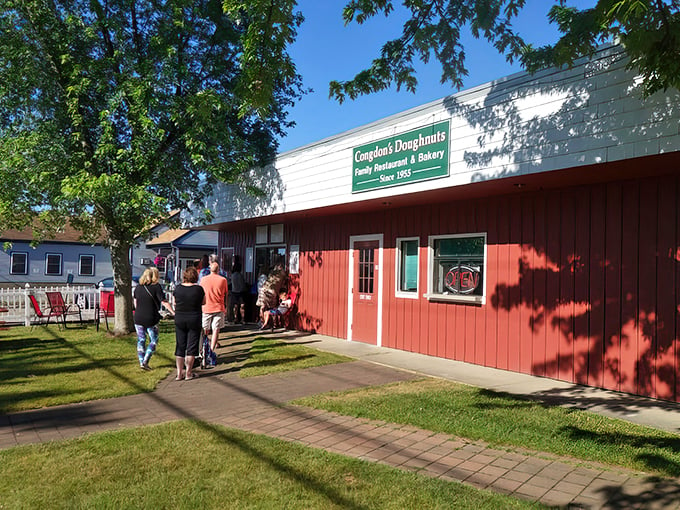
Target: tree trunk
122 283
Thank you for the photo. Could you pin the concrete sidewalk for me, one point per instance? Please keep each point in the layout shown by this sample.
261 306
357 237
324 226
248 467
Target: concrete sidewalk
259 405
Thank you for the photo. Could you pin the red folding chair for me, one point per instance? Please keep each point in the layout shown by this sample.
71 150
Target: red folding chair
37 311
59 308
106 307
285 320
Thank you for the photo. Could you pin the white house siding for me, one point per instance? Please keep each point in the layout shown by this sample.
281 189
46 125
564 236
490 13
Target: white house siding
519 125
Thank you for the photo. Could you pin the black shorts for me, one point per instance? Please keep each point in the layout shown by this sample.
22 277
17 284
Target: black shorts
238 298
188 332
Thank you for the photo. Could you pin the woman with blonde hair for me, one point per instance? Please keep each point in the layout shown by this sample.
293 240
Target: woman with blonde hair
148 297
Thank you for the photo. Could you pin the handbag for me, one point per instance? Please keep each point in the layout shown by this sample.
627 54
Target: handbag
158 305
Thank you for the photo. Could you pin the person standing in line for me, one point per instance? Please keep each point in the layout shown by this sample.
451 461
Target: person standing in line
216 293
205 271
189 299
259 296
148 299
267 297
238 294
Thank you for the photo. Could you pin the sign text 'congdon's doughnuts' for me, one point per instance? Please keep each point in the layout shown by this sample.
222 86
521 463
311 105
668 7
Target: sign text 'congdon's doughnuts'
408 157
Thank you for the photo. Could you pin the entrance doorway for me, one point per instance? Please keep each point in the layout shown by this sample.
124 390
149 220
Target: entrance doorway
366 282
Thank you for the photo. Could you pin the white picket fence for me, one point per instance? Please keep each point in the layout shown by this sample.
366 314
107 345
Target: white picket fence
20 310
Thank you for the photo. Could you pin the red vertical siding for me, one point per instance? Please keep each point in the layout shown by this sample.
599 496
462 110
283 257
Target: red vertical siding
566 301
440 308
502 291
553 340
581 283
675 255
514 280
526 274
467 225
629 286
581 265
665 294
480 312
597 286
492 244
539 294
612 325
648 286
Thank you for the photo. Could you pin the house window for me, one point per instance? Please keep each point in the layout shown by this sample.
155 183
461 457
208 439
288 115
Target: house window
19 263
457 267
53 264
86 265
276 233
267 256
407 267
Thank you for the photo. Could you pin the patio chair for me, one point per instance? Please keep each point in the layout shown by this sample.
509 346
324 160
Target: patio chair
43 318
285 320
59 308
106 308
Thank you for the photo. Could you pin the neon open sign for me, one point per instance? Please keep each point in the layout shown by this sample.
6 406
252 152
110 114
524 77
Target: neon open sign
462 279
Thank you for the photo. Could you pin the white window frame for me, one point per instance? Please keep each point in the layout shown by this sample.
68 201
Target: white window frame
276 233
80 265
481 300
408 294
11 262
262 234
61 263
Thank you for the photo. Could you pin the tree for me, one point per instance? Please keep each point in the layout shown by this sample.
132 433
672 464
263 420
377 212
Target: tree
649 31
114 112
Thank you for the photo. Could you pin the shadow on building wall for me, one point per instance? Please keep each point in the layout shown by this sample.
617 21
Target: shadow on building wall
606 291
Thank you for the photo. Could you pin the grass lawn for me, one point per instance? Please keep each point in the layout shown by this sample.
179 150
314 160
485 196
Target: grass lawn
267 356
46 366
500 419
196 465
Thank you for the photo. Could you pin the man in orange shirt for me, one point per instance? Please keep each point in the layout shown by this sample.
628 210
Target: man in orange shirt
215 287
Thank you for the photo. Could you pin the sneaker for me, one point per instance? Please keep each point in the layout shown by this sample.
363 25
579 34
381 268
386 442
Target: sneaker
145 367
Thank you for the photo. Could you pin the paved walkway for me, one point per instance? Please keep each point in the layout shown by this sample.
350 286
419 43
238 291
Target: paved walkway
258 405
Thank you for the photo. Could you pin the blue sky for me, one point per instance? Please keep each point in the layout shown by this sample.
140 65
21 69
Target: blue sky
326 49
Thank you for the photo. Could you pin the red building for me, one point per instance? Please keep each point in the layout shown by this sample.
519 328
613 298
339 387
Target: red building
530 224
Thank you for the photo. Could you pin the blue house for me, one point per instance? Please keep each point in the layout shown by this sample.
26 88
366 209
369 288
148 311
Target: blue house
56 261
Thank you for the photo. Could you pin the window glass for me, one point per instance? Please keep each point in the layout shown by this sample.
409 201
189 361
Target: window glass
19 263
407 279
53 264
86 265
267 256
458 265
366 270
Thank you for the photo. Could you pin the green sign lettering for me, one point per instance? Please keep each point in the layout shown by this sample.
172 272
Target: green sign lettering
401 159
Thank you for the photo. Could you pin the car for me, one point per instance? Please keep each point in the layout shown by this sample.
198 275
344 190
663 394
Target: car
107 283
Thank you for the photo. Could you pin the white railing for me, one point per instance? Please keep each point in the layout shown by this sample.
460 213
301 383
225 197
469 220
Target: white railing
20 310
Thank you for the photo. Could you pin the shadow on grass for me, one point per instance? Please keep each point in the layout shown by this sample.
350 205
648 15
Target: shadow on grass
506 401
86 416
276 362
27 369
656 462
177 404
